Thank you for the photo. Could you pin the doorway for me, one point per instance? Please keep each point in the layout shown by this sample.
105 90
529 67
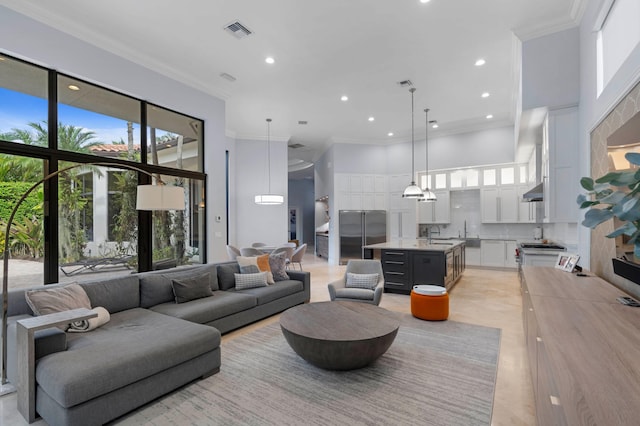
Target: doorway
295 224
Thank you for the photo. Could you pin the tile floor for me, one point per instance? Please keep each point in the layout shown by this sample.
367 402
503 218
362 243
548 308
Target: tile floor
485 297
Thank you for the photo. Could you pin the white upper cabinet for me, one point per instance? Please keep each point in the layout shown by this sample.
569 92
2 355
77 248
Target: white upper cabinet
499 205
559 166
436 212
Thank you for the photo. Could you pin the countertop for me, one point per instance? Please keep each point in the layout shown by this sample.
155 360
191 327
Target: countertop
422 245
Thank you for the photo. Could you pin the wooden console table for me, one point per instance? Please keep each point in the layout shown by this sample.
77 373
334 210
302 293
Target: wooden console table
583 347
27 354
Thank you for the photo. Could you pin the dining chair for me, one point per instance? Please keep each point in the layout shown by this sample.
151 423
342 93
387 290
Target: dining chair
233 252
284 249
250 251
297 256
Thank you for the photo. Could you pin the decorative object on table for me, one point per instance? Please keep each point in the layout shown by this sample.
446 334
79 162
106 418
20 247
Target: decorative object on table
572 262
269 198
340 291
616 195
148 197
412 191
430 302
428 195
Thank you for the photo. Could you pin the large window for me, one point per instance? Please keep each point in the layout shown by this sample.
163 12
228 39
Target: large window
97 121
618 35
23 102
99 154
175 140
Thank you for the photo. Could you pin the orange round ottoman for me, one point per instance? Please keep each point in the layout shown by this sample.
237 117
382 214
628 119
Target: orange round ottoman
430 302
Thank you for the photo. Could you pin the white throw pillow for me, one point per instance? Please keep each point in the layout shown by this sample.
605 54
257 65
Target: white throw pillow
368 281
244 281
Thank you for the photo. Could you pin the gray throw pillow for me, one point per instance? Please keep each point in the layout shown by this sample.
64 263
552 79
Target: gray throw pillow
192 288
278 265
226 278
368 281
249 269
57 299
251 280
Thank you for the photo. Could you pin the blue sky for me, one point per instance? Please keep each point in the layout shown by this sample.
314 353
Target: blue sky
18 109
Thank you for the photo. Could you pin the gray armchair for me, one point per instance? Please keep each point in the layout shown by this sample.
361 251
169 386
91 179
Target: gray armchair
338 290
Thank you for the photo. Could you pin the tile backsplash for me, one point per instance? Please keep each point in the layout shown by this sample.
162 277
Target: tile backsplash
465 206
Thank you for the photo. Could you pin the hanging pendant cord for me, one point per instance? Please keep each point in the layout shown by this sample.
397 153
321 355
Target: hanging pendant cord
413 145
269 152
426 148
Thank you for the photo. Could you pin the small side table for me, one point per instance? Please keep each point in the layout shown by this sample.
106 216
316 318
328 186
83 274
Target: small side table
27 354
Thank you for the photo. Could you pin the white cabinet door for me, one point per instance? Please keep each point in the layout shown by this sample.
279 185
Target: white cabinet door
368 201
508 205
437 212
492 253
472 256
561 175
368 183
380 184
442 207
489 205
401 224
380 201
526 210
499 205
510 254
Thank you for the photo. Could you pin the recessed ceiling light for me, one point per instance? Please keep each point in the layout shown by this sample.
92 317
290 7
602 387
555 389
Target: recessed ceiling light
425 1
489 117
485 95
270 60
371 118
480 62
73 87
434 125
344 98
390 134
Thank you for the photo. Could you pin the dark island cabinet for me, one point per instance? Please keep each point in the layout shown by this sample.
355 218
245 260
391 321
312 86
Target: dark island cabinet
395 265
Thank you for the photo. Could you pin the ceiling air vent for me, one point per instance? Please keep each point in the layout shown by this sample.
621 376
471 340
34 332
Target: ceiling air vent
405 83
238 30
303 122
227 77
296 145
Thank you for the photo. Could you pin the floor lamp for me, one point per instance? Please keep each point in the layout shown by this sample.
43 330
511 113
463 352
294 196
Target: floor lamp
148 197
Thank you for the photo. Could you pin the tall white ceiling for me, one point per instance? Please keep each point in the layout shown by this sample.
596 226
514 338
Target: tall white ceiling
322 50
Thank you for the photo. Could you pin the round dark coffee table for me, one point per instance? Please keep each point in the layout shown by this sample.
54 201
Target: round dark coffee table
339 335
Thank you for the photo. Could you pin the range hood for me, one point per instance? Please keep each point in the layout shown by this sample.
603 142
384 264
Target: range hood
534 194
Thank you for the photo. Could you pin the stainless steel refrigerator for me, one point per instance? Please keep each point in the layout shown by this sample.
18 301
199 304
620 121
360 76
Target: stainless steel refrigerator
358 228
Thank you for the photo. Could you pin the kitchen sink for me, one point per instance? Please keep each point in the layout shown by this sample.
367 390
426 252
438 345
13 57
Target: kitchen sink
472 242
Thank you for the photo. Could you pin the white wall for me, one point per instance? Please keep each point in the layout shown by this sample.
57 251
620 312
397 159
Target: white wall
33 41
550 70
253 222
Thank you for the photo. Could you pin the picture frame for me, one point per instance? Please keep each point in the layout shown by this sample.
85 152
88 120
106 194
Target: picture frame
571 262
561 261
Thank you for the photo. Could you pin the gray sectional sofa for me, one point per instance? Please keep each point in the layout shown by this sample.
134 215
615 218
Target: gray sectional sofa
151 345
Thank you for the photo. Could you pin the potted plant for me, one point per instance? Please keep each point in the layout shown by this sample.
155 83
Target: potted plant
617 194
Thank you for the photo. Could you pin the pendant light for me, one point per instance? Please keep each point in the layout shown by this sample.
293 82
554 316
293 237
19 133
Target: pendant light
413 190
269 199
429 196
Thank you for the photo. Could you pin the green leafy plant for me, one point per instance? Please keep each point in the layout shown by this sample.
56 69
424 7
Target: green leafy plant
617 194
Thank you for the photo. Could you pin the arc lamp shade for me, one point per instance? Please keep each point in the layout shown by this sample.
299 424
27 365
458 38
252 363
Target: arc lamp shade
160 197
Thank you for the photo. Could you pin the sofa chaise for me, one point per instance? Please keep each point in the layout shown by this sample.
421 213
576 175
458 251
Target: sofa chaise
151 345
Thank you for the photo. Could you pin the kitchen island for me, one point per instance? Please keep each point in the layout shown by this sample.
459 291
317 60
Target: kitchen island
406 263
